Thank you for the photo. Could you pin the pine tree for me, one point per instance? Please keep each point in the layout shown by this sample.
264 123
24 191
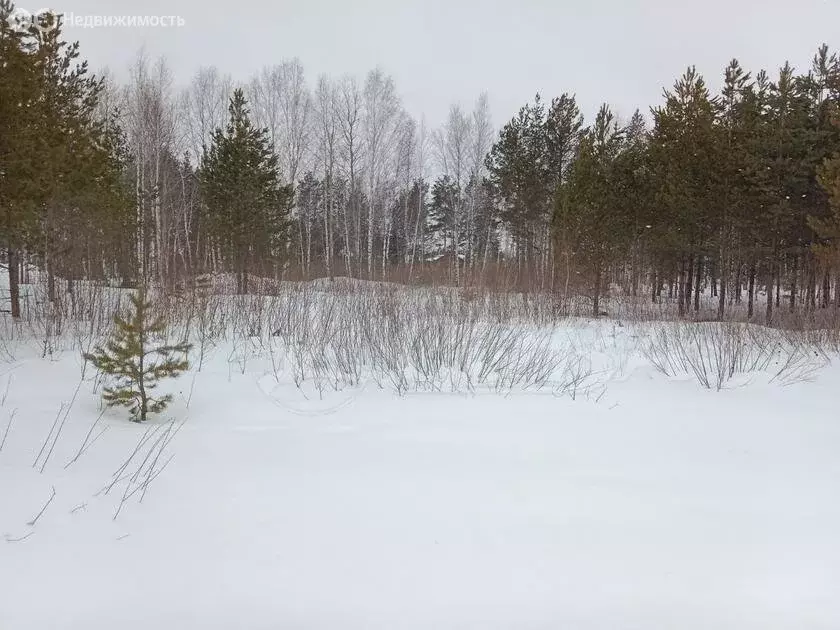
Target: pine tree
247 206
685 156
20 132
135 364
590 210
789 143
519 169
756 182
829 229
563 130
440 217
631 191
734 159
81 168
60 174
823 87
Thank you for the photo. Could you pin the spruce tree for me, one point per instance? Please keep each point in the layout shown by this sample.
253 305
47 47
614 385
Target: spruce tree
135 364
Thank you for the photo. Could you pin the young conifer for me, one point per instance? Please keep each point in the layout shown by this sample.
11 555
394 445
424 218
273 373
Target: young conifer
135 364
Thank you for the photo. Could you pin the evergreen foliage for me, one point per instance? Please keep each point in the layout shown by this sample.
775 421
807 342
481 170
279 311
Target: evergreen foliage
828 228
247 206
711 194
60 163
135 364
721 193
590 209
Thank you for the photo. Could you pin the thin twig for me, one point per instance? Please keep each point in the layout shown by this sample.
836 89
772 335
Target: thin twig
6 392
107 488
43 509
122 500
9 539
148 466
117 474
192 387
49 435
160 440
61 426
149 480
85 445
8 426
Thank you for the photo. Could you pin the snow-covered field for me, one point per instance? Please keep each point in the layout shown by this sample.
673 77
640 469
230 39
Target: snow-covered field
607 495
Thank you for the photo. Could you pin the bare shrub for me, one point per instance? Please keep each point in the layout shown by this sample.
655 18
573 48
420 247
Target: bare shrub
342 333
713 353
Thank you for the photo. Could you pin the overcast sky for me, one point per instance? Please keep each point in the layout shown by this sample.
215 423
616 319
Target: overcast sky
443 51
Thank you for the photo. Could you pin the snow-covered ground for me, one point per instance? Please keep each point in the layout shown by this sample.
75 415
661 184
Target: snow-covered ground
631 500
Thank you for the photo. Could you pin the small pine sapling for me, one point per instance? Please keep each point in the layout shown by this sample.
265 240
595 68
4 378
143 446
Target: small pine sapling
135 364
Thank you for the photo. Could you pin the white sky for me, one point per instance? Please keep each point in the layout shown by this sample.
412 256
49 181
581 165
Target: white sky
442 51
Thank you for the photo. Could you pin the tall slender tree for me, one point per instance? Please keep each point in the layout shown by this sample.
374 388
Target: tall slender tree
247 206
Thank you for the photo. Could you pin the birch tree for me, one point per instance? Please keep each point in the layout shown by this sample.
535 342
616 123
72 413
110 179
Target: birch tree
326 130
204 108
482 140
379 123
152 133
349 112
454 153
420 162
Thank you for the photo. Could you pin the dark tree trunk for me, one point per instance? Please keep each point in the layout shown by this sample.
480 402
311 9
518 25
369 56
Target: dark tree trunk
14 282
713 278
698 283
653 287
793 284
826 289
596 300
837 293
681 289
722 292
688 279
50 285
770 281
751 290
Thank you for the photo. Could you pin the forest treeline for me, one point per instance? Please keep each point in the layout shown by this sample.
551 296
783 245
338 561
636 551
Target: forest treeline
735 195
